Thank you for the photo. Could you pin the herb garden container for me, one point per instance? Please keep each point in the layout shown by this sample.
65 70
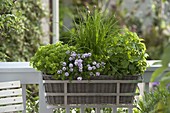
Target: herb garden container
101 64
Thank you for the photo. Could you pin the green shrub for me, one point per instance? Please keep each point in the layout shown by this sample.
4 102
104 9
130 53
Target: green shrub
20 28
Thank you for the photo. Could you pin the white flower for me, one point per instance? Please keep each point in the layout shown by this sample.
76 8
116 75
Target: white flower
79 78
59 71
70 59
94 63
94 67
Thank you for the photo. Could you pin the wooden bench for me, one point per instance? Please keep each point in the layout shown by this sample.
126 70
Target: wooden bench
11 97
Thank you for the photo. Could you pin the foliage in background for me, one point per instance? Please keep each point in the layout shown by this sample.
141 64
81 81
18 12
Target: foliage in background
157 33
20 28
156 101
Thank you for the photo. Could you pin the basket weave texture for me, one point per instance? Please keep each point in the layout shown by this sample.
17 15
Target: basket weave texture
96 89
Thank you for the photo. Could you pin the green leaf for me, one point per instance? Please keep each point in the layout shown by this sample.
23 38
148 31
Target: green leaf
166 56
157 73
164 81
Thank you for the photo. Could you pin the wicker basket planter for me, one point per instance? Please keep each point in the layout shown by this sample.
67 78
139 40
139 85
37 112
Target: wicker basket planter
104 90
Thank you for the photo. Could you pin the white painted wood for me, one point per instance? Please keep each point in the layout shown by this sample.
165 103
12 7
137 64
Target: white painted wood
24 97
10 100
10 92
13 84
55 21
10 108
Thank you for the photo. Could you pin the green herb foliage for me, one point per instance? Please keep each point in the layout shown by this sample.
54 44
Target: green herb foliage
126 55
122 51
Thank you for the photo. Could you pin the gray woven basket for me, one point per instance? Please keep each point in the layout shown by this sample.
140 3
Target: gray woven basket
104 90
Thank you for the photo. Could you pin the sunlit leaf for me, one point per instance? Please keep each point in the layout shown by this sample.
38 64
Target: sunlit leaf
157 73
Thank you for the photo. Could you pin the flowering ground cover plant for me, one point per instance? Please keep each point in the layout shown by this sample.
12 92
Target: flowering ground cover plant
63 62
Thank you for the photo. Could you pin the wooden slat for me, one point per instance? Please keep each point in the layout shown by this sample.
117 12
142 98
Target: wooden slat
6 85
10 108
10 100
92 81
10 92
91 94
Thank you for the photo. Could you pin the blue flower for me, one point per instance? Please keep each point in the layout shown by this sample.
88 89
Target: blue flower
70 58
90 68
66 74
79 78
64 64
76 62
98 65
59 71
64 68
97 74
70 65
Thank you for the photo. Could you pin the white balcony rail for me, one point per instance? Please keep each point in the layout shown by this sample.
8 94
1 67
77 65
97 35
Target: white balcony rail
22 71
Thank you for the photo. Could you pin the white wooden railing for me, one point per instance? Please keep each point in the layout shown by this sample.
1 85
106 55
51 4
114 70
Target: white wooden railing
11 71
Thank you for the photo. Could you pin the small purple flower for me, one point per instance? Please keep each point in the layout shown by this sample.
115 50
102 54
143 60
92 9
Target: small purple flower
90 68
97 74
70 58
59 71
64 64
98 65
79 78
80 61
70 65
76 62
86 55
94 63
80 65
64 68
74 55
66 74
94 67
71 69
